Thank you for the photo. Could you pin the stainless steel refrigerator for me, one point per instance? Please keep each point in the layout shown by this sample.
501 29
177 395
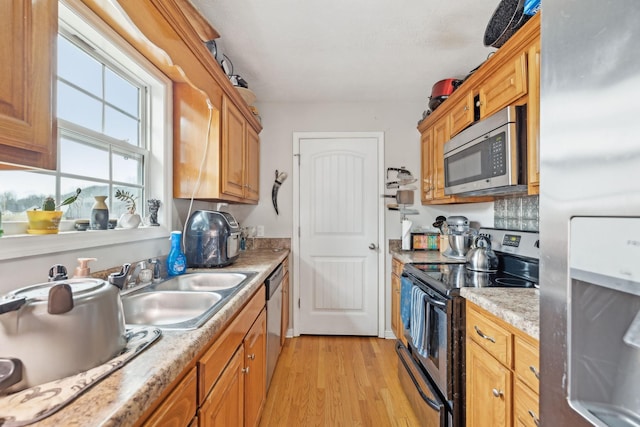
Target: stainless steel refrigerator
590 213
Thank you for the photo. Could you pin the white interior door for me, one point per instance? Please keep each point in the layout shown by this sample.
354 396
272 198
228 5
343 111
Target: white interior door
339 236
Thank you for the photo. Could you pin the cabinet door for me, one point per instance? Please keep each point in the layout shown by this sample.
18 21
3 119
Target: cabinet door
252 167
284 326
533 119
504 86
179 408
225 404
28 29
233 149
255 380
488 389
461 114
426 150
440 137
525 406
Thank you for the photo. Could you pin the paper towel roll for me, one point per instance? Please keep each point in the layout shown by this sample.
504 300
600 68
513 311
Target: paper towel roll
406 235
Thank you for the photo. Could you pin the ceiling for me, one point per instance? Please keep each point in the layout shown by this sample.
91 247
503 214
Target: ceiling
349 50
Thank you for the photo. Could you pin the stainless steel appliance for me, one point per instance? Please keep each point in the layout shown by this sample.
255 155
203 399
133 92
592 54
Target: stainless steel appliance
460 236
589 162
489 157
433 363
212 239
274 319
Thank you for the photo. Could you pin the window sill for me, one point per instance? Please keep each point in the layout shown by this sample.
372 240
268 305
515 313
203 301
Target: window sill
23 245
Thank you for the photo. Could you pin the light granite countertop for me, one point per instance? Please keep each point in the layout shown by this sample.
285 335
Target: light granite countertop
518 307
123 397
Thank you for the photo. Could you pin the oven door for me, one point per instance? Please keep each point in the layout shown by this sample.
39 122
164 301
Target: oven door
429 339
425 401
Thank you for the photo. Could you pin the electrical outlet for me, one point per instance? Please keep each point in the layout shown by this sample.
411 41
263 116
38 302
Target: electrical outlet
260 231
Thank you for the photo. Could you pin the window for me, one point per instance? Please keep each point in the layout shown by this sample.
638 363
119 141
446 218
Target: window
109 136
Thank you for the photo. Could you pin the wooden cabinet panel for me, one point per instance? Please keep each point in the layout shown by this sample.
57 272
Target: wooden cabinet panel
533 119
252 166
427 172
440 137
488 389
225 404
527 363
255 380
179 408
493 338
396 286
504 86
233 149
28 29
461 114
525 406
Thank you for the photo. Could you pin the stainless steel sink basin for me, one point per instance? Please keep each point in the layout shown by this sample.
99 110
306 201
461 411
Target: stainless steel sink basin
174 309
209 281
183 302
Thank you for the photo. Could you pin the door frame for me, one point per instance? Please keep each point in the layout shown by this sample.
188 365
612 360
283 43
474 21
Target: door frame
297 136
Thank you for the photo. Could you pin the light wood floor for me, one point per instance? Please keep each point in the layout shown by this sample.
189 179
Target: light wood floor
337 381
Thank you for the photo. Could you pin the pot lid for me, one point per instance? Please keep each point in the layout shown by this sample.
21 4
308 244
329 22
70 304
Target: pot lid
40 292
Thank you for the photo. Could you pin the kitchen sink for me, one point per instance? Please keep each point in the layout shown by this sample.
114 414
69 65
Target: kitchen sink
182 302
209 281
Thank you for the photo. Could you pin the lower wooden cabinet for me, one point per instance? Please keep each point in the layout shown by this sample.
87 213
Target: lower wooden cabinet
179 408
284 325
502 369
225 404
255 371
396 286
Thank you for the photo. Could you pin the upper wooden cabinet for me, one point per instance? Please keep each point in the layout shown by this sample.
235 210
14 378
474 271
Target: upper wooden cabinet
510 77
28 29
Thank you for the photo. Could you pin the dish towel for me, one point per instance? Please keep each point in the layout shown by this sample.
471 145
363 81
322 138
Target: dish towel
405 301
38 402
418 320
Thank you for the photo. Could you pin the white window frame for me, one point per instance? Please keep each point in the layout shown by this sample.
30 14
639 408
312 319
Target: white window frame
158 172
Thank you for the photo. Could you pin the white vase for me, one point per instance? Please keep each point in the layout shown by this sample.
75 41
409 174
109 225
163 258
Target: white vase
129 220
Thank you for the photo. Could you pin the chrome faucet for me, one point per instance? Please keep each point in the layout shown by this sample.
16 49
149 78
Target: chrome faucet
155 262
134 277
120 279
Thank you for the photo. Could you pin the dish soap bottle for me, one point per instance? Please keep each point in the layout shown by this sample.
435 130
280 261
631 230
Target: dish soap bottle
176 261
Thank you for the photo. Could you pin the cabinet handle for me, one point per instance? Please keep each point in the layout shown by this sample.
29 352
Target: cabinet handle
251 357
497 393
535 371
536 421
486 337
466 108
245 370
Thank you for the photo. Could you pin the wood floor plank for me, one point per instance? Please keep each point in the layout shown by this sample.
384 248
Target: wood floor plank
337 381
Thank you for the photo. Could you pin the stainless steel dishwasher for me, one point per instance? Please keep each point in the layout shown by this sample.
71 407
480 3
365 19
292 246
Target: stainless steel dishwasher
274 319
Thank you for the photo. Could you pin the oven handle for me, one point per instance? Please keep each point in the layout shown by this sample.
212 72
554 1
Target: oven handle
434 405
436 302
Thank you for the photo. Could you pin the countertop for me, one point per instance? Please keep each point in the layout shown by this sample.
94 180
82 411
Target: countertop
124 396
518 307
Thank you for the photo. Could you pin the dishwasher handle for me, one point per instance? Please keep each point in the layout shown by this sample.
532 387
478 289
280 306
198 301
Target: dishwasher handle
272 282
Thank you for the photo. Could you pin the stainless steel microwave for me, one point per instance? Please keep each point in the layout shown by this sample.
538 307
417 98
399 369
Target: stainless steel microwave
489 157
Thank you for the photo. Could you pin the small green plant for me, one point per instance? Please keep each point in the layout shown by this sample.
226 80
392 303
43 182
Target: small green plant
128 198
49 203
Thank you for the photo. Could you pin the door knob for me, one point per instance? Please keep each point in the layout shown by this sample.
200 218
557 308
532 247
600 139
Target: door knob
373 246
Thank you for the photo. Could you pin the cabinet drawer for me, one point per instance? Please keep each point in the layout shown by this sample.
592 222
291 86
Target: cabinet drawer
527 363
506 85
525 406
179 407
213 362
396 267
490 336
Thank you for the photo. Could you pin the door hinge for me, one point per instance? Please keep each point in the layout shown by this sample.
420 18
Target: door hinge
298 231
298 156
298 302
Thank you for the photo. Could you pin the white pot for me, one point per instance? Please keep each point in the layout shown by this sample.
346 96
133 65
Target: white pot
128 220
54 346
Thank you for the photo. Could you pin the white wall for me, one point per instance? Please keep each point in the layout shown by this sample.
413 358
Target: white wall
398 121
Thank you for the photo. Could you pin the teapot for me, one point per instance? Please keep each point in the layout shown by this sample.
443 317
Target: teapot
481 257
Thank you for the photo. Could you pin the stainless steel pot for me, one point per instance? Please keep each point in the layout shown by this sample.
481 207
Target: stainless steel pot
481 257
460 244
60 328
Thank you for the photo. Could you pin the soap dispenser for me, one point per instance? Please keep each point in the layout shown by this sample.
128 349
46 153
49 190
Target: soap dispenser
82 270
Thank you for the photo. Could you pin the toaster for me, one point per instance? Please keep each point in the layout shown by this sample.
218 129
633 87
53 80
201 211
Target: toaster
212 239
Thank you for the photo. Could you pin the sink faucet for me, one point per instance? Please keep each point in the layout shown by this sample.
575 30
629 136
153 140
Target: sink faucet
135 277
120 279
155 262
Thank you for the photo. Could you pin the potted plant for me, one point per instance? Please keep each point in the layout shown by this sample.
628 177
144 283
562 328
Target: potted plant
47 220
129 219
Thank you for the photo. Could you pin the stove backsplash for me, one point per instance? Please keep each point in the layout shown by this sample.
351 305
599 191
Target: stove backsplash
516 213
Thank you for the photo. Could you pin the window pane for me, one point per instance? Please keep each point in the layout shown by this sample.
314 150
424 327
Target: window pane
121 93
23 190
127 168
121 126
81 209
79 68
120 206
79 108
81 159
